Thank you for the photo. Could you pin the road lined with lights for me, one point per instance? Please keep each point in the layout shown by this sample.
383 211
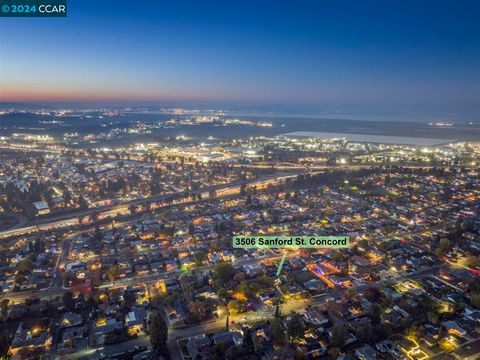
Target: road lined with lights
124 208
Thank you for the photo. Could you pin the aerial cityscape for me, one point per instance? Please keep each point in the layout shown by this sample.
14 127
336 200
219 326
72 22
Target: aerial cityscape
153 162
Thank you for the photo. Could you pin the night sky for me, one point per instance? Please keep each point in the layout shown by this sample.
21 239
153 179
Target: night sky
395 57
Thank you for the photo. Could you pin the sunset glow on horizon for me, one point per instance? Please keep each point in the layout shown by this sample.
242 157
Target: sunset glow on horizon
406 57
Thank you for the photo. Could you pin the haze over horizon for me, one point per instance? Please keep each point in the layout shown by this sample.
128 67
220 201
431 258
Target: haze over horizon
308 57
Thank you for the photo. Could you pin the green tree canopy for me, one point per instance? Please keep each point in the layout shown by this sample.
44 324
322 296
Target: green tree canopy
158 332
223 273
295 327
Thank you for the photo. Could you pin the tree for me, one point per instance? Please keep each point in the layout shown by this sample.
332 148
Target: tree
199 256
25 266
295 327
375 312
433 317
68 301
245 289
67 197
277 331
82 202
218 350
223 273
158 332
364 333
222 293
113 272
239 277
4 344
258 344
238 352
414 332
372 293
4 304
474 286
363 243
339 335
334 352
338 256
444 244
351 293
191 229
475 300
235 307
278 313
200 309
265 282
384 246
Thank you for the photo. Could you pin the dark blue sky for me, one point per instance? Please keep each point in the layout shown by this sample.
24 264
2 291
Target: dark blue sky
404 57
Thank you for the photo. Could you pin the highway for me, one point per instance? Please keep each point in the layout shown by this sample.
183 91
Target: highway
71 218
67 220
